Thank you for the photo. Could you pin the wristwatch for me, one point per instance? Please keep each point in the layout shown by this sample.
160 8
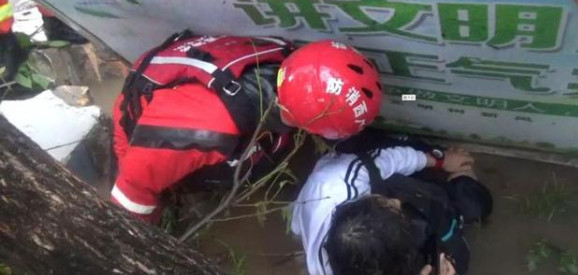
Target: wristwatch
438 155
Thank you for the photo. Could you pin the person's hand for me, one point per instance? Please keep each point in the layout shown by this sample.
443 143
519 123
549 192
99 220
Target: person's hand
446 267
457 160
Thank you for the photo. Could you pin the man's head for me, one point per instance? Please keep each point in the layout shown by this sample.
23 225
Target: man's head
372 236
328 89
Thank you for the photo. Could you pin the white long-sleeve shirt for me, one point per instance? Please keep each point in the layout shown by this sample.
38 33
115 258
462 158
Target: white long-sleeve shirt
338 178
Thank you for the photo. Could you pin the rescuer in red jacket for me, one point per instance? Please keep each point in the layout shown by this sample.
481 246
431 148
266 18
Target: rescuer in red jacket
194 101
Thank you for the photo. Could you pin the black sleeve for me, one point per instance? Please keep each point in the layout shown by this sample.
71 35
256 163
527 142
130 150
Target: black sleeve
456 248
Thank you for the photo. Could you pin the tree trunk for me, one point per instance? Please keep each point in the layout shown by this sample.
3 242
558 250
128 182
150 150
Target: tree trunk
52 223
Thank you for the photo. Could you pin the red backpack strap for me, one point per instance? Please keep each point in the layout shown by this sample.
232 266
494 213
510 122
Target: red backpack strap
224 79
131 106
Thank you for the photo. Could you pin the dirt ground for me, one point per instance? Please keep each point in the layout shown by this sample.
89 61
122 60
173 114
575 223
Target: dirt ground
529 198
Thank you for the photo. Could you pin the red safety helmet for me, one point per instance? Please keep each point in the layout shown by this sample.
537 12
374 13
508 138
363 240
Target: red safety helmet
329 89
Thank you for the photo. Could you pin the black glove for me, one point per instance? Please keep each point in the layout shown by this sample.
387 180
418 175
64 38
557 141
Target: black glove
11 55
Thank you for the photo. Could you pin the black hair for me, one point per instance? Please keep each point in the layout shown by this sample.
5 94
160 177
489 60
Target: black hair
367 237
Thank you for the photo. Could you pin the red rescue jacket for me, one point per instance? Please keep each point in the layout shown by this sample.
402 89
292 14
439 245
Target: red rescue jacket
182 109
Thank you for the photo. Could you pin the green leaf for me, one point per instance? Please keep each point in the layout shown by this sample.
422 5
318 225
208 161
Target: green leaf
24 80
23 40
321 146
568 264
533 260
57 43
543 250
239 264
97 13
42 81
2 70
532 266
537 254
168 220
287 214
25 69
236 259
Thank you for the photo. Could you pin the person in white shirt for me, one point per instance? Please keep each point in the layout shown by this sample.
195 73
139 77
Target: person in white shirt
348 228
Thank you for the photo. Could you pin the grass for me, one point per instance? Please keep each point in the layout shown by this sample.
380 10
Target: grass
543 250
168 220
236 259
554 199
5 270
